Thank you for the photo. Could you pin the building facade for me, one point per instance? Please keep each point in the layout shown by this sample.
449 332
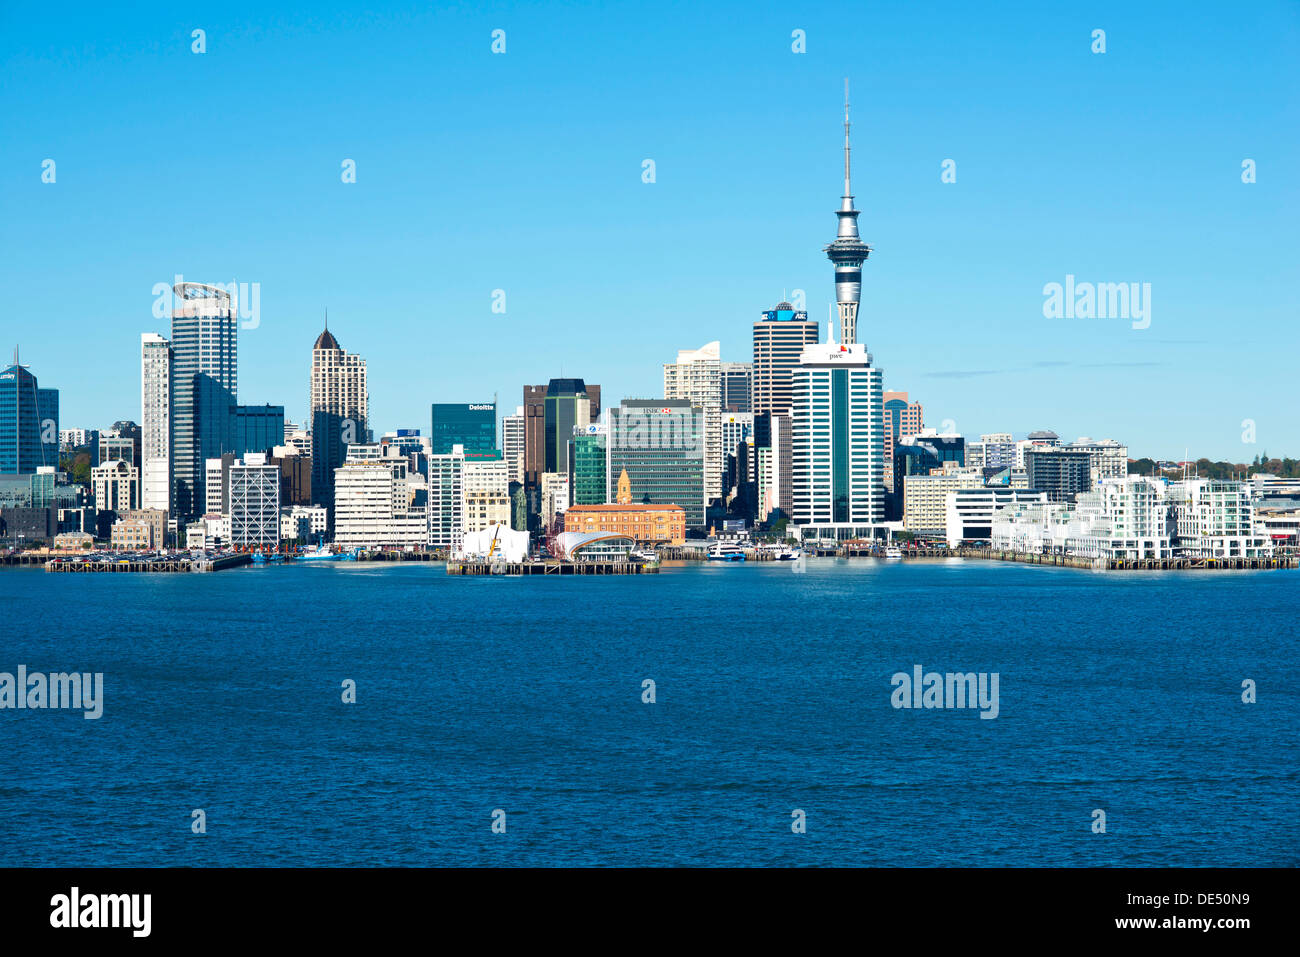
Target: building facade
339 407
780 337
660 444
155 422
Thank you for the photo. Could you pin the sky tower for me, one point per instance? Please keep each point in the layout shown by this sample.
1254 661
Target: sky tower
848 252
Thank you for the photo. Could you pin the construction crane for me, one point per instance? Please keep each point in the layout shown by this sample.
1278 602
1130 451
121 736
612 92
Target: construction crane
493 547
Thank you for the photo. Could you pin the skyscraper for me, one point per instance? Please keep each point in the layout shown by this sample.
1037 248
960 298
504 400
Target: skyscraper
902 419
156 422
660 444
848 252
780 336
550 413
29 422
339 411
471 425
512 443
205 327
838 443
737 387
697 377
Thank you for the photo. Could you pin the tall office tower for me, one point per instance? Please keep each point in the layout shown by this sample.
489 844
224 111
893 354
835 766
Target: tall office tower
660 444
550 413
773 465
254 502
447 500
737 387
156 422
838 443
587 481
697 376
848 252
471 425
512 443
339 408
780 337
902 419
29 422
205 328
256 428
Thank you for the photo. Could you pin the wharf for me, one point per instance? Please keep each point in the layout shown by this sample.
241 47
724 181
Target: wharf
130 564
550 568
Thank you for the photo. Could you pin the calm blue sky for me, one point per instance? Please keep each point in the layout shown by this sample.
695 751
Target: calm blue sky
522 172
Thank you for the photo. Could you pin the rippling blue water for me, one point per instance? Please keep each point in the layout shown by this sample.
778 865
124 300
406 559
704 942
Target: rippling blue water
222 692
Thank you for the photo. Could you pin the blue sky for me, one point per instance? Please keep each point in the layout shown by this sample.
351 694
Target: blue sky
522 172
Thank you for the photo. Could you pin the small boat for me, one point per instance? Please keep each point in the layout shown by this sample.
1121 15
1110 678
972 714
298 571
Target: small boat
725 552
893 552
648 555
787 554
321 553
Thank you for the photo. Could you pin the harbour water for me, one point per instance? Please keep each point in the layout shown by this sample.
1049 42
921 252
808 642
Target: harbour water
1118 691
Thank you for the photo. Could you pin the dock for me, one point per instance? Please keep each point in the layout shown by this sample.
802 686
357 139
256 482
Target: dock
550 568
127 564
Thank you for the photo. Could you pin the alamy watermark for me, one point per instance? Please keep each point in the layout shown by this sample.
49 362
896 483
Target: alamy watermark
1102 300
930 689
79 691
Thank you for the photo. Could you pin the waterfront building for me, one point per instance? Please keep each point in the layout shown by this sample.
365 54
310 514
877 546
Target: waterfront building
29 421
1216 519
925 497
660 444
254 502
780 337
499 543
139 529
697 376
969 512
1060 472
642 523
738 387
204 386
309 523
339 406
378 503
837 428
487 493
155 422
447 500
473 426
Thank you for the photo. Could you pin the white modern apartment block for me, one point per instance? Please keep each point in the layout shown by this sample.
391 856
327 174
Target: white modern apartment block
254 502
447 500
376 504
697 376
969 512
487 494
155 422
116 486
512 443
1137 518
838 443
925 497
1216 519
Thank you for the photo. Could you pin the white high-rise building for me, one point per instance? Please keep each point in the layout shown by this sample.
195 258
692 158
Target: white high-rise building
512 443
697 376
254 502
375 504
838 443
156 422
447 500
338 411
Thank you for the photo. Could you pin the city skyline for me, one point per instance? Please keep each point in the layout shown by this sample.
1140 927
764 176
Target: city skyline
952 304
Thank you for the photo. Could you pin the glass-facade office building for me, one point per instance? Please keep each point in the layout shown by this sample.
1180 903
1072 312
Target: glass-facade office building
660 442
29 422
472 426
587 479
